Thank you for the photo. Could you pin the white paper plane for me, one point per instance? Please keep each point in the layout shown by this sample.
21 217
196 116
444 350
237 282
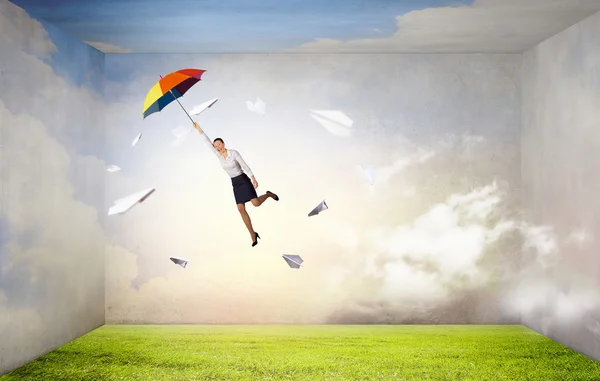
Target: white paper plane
179 261
136 140
258 106
181 134
181 131
203 106
294 261
113 168
318 209
122 205
368 171
334 121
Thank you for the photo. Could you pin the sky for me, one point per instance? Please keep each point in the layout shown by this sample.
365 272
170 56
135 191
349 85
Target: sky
239 24
438 237
73 60
352 26
447 128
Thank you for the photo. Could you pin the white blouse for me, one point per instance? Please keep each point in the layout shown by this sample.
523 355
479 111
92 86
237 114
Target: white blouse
233 164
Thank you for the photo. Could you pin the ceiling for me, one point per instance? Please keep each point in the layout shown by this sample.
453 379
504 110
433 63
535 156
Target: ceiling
311 26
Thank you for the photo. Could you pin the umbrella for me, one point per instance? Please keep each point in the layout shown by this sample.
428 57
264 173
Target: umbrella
169 88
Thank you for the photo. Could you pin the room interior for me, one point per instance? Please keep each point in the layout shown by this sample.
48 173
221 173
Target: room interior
477 120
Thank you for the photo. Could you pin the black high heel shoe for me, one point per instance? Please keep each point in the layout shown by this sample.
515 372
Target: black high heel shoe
275 197
256 238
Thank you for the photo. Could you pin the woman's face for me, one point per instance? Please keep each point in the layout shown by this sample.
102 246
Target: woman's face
219 146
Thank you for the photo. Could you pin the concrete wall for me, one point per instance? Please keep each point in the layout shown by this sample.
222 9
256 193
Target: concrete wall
420 245
51 188
561 183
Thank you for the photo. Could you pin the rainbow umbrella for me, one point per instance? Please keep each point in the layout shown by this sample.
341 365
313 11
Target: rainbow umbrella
169 88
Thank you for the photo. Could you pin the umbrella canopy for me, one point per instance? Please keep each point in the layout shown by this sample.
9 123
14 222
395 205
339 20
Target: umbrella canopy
169 88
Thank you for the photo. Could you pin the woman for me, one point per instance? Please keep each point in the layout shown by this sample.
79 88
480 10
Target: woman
243 186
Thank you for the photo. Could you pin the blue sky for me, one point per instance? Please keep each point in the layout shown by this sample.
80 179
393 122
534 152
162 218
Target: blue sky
78 63
183 26
81 64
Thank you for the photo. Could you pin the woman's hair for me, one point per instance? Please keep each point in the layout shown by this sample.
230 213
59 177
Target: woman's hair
218 140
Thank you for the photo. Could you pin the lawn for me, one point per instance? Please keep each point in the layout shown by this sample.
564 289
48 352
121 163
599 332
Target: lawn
342 352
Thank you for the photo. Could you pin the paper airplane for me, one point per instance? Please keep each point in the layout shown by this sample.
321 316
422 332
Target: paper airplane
369 173
122 205
181 133
258 107
136 140
294 261
203 106
334 121
113 168
319 208
179 261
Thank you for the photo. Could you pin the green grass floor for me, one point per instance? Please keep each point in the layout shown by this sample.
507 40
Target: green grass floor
366 352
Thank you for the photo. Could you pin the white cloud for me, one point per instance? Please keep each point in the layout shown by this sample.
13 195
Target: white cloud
541 305
465 146
579 237
544 243
442 244
21 33
385 173
488 26
108 48
468 242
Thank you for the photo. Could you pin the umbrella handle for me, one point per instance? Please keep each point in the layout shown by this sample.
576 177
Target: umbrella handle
184 110
186 113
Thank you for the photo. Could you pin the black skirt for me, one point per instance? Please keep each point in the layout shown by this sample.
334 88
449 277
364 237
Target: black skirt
243 190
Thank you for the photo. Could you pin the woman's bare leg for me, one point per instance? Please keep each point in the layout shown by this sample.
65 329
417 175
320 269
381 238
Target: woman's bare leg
246 218
258 201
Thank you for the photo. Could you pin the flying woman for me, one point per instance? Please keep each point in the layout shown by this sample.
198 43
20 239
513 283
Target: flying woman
243 181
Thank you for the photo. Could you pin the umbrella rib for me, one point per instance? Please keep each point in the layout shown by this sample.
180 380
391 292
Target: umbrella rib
184 110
